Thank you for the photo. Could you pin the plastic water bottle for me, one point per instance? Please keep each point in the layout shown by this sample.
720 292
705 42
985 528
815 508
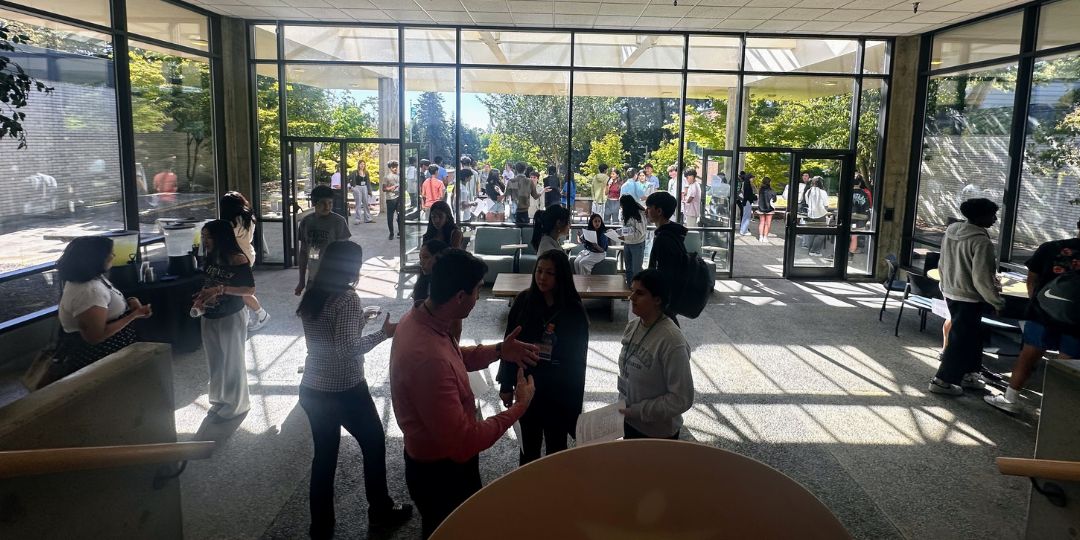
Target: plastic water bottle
196 312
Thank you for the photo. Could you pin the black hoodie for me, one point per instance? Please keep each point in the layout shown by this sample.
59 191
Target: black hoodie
668 249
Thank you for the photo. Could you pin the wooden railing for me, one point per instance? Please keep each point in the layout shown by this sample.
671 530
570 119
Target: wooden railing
1045 469
17 463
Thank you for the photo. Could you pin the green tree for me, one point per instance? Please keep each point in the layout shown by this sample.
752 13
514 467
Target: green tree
609 150
430 128
15 85
502 148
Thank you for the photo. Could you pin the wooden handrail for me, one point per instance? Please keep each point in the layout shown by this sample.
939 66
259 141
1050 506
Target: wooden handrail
17 463
1046 469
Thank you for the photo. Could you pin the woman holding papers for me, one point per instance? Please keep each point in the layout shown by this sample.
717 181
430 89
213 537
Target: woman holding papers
594 244
551 315
633 236
654 366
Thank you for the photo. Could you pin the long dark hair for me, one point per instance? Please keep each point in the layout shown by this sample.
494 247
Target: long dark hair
339 268
84 259
566 294
544 222
235 207
225 245
602 228
448 229
630 208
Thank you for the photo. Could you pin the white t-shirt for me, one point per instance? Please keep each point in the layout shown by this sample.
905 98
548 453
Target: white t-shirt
244 237
79 297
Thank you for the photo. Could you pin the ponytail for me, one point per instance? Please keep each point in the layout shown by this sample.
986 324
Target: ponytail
538 229
545 221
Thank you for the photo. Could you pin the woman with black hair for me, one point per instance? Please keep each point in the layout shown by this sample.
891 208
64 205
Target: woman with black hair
441 225
224 319
766 198
551 315
592 252
655 381
633 237
428 251
236 210
494 188
94 317
548 226
334 393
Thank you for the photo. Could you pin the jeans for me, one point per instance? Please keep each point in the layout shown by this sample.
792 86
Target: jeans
633 259
611 211
391 211
747 215
328 412
439 487
963 354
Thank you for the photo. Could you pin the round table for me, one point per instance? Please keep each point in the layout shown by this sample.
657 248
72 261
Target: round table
643 489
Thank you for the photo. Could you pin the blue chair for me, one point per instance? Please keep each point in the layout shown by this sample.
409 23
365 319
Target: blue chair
891 283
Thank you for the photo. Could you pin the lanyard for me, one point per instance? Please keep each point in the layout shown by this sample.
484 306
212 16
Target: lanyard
650 329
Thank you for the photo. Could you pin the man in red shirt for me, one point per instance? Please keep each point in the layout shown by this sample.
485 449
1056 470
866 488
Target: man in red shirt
429 387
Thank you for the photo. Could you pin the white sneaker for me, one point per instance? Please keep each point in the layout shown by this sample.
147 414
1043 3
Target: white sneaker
974 381
1000 402
257 323
938 386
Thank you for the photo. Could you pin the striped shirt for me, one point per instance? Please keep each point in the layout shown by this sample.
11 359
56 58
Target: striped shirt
336 346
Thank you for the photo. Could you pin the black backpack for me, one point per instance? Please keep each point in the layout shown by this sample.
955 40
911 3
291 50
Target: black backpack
1059 300
697 284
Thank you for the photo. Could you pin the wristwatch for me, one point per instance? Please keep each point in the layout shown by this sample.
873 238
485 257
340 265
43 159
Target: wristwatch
498 350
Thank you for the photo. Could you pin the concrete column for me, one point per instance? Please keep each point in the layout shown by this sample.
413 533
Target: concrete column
388 128
237 96
731 123
896 162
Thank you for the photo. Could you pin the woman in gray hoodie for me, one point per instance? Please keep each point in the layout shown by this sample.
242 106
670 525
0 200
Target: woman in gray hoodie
968 282
654 366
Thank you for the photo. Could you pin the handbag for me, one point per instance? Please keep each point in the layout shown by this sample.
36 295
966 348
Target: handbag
47 365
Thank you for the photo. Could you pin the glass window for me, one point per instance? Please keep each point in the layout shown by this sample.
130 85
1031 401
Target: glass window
1058 23
66 181
714 52
798 111
264 41
626 121
711 108
1049 204
965 145
871 105
168 22
650 51
269 171
986 40
172 114
515 48
806 55
345 43
95 11
876 60
341 100
431 45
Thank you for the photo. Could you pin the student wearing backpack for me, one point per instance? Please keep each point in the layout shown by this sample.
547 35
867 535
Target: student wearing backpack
1051 260
968 282
668 253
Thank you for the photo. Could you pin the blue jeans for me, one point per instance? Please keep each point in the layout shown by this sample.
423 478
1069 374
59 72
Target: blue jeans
633 259
747 215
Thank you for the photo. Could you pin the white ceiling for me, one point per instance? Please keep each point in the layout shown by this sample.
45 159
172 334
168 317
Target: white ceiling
848 17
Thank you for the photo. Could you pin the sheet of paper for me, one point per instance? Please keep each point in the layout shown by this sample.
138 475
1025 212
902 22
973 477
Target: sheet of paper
940 308
589 236
612 235
601 425
478 384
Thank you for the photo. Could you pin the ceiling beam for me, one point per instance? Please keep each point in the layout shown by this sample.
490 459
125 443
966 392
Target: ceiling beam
493 43
642 46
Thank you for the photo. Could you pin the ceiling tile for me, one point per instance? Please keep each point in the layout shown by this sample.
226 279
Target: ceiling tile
900 29
821 3
577 8
660 10
773 3
308 3
249 12
492 18
985 6
327 14
937 17
450 17
397 5
526 6
410 15
924 5
615 22
776 25
351 4
888 16
723 3
263 3
365 14
801 14
847 15
621 10
537 19
488 6
658 22
713 12
700 23
283 12
580 21
861 27
638 2
869 4
738 24
440 5
757 13
820 26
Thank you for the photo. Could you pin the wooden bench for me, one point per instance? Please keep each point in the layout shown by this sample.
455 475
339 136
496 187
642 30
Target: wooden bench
604 287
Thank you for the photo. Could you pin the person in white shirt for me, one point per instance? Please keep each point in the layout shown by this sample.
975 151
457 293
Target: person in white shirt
632 235
817 211
691 199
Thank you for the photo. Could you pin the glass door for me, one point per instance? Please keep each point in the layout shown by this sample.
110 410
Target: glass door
411 227
718 207
311 163
818 214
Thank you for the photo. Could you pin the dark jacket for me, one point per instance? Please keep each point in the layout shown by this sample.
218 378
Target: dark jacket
766 199
669 249
554 196
748 195
560 388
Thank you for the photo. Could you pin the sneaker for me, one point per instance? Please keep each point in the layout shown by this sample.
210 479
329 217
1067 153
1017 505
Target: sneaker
391 237
395 515
815 253
369 221
974 381
1000 402
356 222
938 386
258 323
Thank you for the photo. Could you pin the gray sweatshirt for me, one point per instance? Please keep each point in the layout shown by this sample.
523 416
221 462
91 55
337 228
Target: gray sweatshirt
969 265
654 377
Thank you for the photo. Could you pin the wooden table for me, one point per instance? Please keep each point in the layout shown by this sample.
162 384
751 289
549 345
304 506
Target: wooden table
593 286
643 488
1009 287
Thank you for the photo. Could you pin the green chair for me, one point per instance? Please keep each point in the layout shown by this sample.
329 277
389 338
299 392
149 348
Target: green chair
487 245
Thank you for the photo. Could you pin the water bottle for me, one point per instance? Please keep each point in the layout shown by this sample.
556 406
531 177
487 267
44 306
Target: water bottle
196 312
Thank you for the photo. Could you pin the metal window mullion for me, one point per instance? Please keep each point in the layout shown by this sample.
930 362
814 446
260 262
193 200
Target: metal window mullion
915 158
283 157
124 119
217 120
680 166
570 127
1018 132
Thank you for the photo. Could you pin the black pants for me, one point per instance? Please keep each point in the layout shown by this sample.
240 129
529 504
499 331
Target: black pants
439 487
540 431
521 218
391 211
630 433
964 352
327 412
